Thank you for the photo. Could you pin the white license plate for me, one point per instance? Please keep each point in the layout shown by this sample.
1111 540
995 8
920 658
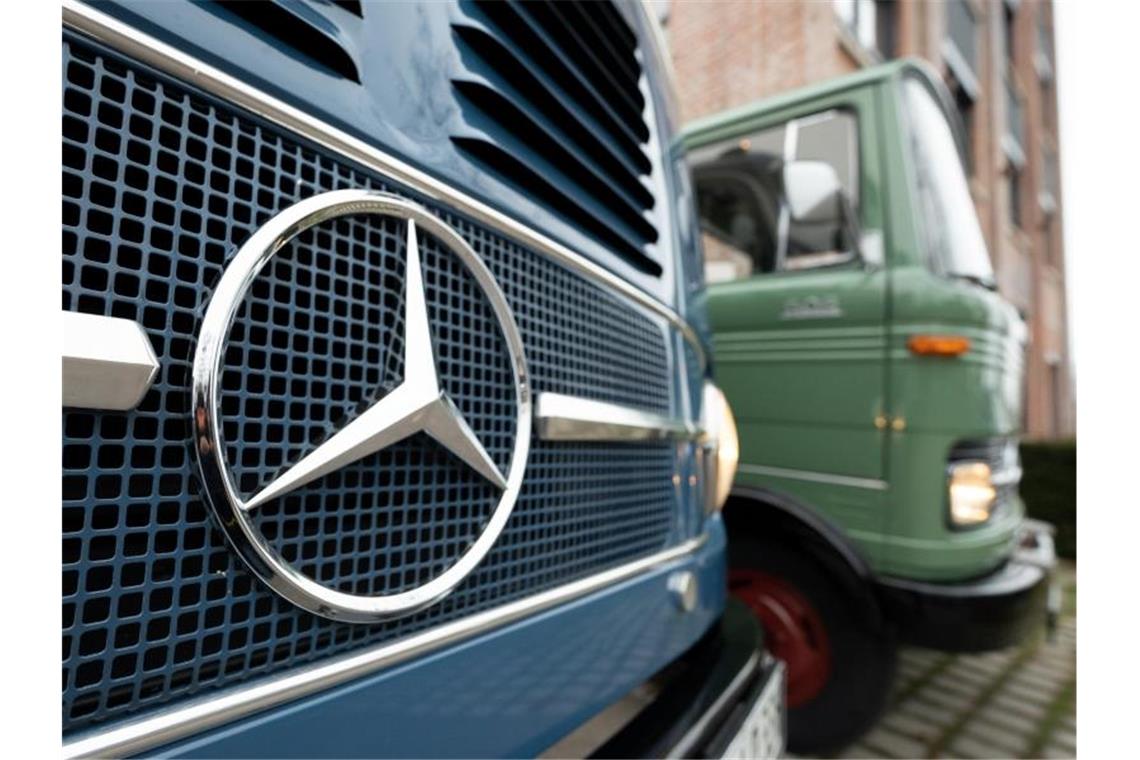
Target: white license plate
762 733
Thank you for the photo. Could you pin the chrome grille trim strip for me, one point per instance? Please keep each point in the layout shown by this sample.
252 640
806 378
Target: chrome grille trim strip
559 417
108 362
170 60
171 725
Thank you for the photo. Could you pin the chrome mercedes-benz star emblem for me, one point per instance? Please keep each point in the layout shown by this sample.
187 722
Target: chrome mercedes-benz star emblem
417 405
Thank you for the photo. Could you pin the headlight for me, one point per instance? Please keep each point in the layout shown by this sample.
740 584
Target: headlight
972 493
721 447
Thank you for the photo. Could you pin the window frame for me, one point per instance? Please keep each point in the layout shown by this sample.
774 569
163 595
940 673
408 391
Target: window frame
941 96
790 144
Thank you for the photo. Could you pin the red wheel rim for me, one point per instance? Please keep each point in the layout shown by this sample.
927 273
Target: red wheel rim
793 630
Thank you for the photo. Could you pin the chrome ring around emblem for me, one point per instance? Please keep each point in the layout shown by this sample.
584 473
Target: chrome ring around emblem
417 405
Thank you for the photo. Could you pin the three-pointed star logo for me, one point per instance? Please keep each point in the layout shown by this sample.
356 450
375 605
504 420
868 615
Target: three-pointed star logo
417 405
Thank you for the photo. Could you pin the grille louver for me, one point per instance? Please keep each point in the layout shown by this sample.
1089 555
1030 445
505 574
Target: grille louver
304 29
551 92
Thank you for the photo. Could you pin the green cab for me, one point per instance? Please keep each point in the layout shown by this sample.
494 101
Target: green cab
877 381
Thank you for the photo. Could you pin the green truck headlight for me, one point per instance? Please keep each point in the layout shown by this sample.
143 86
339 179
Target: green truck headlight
972 493
722 447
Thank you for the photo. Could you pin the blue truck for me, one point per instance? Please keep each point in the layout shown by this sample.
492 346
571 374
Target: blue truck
388 427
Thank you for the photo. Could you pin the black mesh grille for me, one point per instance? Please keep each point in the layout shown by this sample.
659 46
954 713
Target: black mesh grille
160 187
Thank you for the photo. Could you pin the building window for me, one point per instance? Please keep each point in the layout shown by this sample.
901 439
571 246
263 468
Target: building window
871 22
859 18
960 51
1047 240
1010 33
1048 194
965 106
960 48
1015 180
1043 56
1014 140
886 28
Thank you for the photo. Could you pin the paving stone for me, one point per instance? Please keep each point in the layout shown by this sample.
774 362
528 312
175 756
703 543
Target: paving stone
999 658
1061 636
954 703
927 713
1054 657
904 723
912 669
1061 676
1052 751
1009 721
1016 705
1035 679
1002 727
1030 693
966 675
1051 667
957 686
1012 742
907 680
1036 696
984 668
967 746
893 744
1065 739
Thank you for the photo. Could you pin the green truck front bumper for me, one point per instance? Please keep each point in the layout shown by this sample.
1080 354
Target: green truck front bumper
990 612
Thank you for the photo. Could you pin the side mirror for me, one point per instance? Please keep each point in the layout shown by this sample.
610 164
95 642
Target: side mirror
813 193
822 220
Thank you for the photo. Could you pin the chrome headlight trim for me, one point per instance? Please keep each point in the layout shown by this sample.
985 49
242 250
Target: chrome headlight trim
720 447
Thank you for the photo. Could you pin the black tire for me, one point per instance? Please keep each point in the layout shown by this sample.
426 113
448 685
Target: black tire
862 660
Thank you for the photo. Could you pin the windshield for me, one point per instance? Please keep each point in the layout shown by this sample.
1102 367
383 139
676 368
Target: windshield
953 234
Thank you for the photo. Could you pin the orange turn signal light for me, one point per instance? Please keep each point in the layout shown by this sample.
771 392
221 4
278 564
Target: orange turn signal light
938 345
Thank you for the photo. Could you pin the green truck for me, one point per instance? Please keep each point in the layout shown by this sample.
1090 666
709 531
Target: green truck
877 380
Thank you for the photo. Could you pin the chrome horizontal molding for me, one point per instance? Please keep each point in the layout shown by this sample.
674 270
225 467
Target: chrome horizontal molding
108 362
569 418
174 724
168 59
871 484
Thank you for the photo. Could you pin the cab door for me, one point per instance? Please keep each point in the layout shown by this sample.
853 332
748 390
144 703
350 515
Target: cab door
799 320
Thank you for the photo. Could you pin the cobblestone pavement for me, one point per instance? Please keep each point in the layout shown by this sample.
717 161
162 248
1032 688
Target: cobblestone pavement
1014 703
